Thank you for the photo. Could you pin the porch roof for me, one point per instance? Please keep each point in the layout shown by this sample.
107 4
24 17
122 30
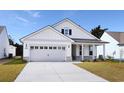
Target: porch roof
78 40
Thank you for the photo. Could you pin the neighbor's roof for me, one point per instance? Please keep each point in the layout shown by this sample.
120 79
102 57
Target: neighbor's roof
119 36
1 29
88 40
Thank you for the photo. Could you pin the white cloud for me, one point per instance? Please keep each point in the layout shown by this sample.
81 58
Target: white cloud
36 14
22 19
33 13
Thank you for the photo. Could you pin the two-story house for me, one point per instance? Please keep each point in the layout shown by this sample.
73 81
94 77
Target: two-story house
63 41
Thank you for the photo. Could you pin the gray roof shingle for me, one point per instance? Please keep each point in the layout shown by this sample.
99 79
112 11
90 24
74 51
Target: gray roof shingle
88 40
119 36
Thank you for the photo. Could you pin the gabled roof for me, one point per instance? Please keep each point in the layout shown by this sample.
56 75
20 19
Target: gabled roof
44 29
119 36
1 29
75 24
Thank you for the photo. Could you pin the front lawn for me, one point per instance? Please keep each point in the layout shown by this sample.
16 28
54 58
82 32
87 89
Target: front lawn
111 71
9 71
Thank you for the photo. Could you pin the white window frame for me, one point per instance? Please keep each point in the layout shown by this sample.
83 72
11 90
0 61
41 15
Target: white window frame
66 31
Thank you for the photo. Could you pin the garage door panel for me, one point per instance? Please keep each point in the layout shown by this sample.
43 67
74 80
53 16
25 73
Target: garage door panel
47 54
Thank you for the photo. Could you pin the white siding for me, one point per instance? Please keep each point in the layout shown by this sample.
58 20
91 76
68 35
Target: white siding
12 50
86 50
122 52
110 48
76 32
27 44
4 44
47 35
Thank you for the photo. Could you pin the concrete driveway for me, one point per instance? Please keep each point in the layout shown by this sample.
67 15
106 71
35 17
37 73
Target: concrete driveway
55 72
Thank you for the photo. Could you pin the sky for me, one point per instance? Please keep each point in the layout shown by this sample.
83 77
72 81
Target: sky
22 22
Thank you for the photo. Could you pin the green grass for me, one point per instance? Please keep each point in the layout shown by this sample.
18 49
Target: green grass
111 71
9 71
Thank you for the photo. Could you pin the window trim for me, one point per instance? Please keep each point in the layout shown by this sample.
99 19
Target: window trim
66 31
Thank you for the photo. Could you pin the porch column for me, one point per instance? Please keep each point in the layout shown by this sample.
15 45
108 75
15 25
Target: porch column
69 53
103 51
82 52
94 52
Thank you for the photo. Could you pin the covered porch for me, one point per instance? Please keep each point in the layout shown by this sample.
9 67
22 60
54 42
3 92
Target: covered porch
84 50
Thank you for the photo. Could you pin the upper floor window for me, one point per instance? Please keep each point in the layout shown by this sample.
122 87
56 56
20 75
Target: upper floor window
66 31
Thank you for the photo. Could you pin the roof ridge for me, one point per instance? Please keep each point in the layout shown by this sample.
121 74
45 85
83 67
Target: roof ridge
114 31
1 28
80 27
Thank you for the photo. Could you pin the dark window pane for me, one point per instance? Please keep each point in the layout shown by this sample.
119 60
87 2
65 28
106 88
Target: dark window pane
63 48
80 52
50 47
45 47
41 47
62 31
70 32
32 47
54 47
36 47
90 52
59 48
80 48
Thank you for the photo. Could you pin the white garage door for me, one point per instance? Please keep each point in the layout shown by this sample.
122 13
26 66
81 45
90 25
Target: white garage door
47 53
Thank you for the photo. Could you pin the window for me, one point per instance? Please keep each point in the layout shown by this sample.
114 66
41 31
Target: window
41 47
80 52
66 31
45 47
59 47
36 47
26 46
63 48
54 47
31 47
70 32
62 31
50 47
90 50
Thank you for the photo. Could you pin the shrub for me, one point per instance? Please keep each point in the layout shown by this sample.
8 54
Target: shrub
101 57
109 58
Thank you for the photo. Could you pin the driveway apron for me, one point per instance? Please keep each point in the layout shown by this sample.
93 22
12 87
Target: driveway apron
56 72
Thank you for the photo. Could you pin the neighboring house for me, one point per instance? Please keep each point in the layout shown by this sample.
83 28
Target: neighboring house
4 42
5 48
63 41
115 47
12 50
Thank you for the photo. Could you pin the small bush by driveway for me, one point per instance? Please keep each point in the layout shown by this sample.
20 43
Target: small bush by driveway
9 70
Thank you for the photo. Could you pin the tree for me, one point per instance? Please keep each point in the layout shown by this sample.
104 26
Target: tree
98 31
19 49
11 41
